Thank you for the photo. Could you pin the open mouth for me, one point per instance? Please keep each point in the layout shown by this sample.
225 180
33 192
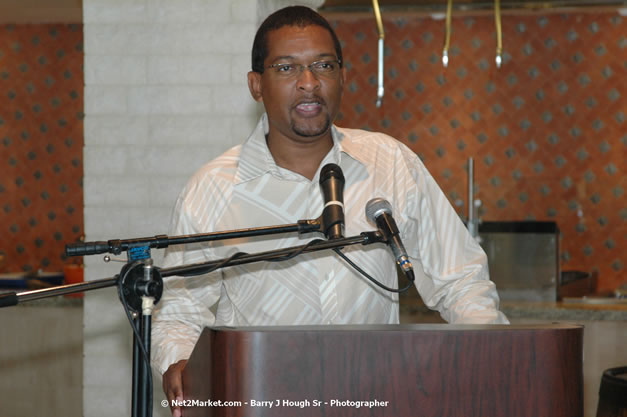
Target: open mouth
309 107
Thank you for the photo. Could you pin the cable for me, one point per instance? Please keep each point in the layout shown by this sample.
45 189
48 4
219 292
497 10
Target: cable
214 267
237 255
365 274
297 252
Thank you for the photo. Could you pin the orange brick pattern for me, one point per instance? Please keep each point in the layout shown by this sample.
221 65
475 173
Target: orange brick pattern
41 144
547 131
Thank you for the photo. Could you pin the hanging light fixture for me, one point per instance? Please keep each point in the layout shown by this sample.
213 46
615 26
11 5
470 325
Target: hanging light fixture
499 33
377 15
447 36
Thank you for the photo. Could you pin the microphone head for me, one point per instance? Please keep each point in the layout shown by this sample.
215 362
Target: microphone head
376 207
331 170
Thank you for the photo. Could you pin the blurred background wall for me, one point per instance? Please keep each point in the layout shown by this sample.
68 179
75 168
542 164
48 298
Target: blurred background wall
547 131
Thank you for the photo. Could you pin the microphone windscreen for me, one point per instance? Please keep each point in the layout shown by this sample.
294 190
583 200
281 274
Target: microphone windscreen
377 206
331 170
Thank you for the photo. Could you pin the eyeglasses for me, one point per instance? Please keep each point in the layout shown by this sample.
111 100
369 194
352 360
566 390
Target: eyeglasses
319 68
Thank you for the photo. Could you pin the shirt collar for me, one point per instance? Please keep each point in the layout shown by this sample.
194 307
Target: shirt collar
256 159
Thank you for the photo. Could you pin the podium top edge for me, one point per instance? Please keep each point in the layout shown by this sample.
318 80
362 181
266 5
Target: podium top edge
401 327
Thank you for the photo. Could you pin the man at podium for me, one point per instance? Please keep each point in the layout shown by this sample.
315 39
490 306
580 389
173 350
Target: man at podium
273 178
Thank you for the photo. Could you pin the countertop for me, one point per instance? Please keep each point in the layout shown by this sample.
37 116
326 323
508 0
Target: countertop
413 309
565 311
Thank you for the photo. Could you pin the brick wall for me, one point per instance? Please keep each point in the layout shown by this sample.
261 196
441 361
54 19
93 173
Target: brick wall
165 92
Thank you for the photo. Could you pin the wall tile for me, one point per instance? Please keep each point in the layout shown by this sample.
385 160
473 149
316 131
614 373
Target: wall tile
41 144
105 223
244 11
240 66
180 99
118 38
189 129
189 69
195 11
115 191
240 129
116 11
116 130
110 100
102 405
120 70
545 130
232 100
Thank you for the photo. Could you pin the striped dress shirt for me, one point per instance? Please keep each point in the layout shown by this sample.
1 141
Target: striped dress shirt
245 188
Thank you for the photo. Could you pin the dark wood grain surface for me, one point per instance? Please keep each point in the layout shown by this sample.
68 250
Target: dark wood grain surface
419 370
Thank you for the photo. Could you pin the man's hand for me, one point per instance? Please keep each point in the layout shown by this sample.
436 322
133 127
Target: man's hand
173 385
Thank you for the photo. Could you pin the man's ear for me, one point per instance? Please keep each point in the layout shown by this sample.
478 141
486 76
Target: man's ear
254 85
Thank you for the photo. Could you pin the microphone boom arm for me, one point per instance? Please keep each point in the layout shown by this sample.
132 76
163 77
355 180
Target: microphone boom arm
117 246
365 238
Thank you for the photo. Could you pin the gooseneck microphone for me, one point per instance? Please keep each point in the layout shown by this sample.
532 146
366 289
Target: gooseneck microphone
332 185
379 211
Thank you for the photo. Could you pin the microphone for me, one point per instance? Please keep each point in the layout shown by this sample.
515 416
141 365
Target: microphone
379 211
332 184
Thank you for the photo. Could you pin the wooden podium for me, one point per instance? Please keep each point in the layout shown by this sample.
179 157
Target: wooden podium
388 370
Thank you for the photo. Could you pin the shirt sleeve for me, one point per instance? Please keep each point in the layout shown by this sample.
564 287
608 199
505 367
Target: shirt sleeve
185 307
451 267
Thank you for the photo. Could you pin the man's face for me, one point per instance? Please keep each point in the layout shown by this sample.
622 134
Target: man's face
303 106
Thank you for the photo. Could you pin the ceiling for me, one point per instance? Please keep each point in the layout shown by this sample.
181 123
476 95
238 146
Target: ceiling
440 5
70 11
41 11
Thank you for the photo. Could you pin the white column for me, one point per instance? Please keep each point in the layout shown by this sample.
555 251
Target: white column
165 92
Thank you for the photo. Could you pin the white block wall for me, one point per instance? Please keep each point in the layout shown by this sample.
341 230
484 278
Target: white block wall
165 92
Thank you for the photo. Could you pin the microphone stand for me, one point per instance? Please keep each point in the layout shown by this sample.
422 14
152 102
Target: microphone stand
139 287
140 284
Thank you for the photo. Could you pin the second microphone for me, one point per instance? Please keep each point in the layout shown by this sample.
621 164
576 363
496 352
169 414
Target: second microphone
332 185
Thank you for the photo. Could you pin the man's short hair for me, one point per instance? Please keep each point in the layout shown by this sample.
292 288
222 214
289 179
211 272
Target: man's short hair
299 16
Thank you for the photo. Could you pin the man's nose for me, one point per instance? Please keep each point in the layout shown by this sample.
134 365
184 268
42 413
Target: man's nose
307 79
